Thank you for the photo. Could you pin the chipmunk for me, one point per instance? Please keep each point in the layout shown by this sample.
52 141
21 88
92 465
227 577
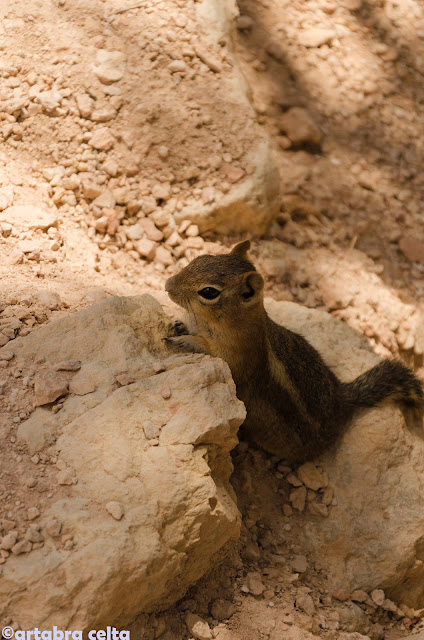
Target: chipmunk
296 406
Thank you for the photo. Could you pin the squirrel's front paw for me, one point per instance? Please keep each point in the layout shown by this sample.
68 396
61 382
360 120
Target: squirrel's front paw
179 328
187 343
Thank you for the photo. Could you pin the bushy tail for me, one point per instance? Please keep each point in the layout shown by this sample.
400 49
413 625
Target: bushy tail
388 379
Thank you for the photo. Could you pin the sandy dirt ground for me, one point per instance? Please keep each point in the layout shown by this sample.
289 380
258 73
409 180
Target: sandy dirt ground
98 161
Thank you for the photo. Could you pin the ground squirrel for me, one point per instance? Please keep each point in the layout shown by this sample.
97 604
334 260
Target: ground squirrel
296 406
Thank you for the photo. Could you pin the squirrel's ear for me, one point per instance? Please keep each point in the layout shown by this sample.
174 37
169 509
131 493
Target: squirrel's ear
251 286
241 249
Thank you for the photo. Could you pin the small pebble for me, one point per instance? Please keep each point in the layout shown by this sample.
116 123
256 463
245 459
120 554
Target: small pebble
33 513
192 231
65 477
23 546
163 152
151 431
306 604
244 22
33 535
158 367
299 564
54 527
378 597
115 509
177 65
7 355
254 583
67 365
124 379
8 541
341 594
287 510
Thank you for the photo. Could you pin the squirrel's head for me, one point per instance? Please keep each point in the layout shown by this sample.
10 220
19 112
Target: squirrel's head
221 286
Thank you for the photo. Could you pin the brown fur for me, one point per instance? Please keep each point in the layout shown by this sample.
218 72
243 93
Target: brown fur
296 406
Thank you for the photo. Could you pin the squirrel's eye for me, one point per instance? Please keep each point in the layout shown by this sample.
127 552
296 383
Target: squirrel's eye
210 293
